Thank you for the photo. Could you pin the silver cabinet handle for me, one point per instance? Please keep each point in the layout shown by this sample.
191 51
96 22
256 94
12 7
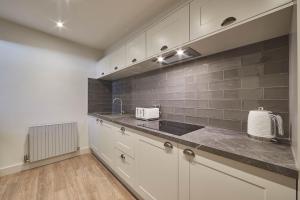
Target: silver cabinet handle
228 20
122 129
168 145
164 47
189 152
122 156
101 121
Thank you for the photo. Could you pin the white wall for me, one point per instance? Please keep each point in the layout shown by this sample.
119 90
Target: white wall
43 80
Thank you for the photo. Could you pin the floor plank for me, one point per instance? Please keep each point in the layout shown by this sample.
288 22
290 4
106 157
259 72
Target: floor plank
79 178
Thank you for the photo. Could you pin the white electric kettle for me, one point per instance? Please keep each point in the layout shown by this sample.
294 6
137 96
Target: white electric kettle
264 124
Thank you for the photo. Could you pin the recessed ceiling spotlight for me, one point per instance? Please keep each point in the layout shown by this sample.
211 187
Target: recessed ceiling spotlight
160 59
59 24
180 52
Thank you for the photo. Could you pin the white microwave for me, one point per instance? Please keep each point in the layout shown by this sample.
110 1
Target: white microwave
147 113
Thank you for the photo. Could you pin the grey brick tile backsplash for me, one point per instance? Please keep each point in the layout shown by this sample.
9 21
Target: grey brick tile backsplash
224 85
273 105
253 58
250 82
274 80
235 115
226 124
99 96
276 93
275 67
217 90
225 104
256 93
197 120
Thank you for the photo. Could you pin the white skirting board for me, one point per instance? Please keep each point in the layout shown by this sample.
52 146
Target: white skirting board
25 166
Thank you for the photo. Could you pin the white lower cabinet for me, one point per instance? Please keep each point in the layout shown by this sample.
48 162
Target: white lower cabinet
106 142
93 130
157 169
202 179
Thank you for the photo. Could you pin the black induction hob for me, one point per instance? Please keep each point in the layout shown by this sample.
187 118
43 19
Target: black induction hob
175 128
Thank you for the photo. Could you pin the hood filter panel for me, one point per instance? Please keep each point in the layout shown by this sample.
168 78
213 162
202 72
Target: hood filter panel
174 58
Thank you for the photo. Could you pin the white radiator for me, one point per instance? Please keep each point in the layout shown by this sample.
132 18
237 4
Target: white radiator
47 141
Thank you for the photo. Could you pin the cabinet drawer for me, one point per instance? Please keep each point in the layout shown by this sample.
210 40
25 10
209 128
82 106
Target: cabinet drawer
207 16
169 33
125 142
125 167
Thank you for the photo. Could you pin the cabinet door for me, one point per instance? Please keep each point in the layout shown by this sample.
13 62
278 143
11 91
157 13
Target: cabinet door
136 50
207 16
102 67
92 130
171 32
106 143
157 170
117 59
212 180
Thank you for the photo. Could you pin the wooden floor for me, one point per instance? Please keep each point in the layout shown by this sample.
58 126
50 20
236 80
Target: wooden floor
82 177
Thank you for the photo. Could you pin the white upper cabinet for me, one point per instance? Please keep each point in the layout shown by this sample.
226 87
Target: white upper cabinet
117 59
169 33
136 49
102 67
208 16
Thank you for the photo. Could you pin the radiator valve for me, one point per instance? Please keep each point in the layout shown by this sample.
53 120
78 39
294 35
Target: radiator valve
26 158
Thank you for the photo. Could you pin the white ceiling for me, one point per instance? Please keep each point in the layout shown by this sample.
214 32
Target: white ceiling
94 23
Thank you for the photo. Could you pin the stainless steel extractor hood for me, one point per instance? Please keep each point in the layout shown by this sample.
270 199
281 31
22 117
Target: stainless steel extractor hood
174 57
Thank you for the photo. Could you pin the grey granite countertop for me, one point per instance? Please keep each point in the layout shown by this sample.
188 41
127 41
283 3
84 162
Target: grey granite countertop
230 144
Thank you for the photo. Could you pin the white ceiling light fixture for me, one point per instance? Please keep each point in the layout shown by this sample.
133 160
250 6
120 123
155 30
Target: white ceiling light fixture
59 24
